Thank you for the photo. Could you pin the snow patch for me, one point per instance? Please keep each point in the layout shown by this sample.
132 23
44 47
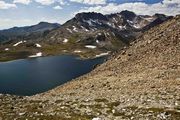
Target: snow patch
94 29
91 22
38 45
106 35
122 27
97 118
102 54
65 40
37 55
77 51
150 19
22 113
69 30
90 46
99 33
111 24
75 29
119 15
97 41
20 42
108 23
96 21
130 22
6 49
115 20
84 29
136 26
113 34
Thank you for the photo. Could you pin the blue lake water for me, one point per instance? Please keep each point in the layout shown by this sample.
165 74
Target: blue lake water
32 76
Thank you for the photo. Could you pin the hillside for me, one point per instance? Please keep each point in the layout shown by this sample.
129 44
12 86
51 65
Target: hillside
87 35
19 33
140 82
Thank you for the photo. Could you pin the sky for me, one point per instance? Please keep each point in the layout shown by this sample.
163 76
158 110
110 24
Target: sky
29 12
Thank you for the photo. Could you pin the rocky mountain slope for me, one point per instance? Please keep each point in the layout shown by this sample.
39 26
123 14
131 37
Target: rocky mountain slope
104 31
87 35
140 82
19 33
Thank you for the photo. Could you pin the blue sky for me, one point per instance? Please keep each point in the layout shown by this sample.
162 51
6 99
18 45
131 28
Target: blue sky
29 12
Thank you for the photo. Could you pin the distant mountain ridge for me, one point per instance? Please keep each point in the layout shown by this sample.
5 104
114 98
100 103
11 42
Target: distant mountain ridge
16 32
87 35
116 21
121 27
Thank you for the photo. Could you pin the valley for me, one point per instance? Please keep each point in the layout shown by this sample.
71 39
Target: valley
87 34
118 66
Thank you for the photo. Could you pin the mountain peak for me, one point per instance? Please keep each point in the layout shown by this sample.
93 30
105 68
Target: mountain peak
47 23
90 15
43 23
128 14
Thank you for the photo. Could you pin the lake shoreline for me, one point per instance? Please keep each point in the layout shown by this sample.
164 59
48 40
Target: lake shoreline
81 56
46 72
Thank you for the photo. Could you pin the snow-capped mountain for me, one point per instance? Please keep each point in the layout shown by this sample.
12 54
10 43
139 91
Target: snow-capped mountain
96 28
87 34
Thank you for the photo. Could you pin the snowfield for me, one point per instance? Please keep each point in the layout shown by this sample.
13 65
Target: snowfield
90 46
102 54
97 118
75 29
6 49
37 55
69 30
65 40
38 45
84 29
97 41
77 51
18 43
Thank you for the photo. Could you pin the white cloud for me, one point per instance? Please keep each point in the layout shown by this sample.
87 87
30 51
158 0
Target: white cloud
169 7
57 7
45 2
171 1
62 2
4 5
90 2
26 2
49 2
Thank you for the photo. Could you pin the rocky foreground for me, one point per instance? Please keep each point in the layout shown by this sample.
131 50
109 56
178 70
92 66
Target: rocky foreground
141 82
